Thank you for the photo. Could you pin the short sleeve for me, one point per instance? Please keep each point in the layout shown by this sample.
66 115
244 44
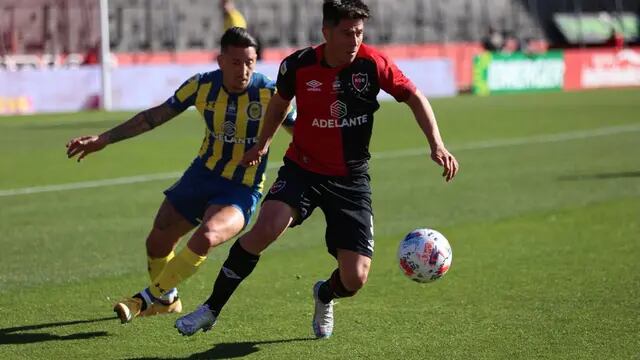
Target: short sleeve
286 84
290 119
185 95
393 80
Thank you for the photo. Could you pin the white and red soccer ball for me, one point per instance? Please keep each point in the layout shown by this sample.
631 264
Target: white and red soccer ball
424 255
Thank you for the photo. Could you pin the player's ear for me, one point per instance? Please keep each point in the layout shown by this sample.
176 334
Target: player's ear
325 32
219 59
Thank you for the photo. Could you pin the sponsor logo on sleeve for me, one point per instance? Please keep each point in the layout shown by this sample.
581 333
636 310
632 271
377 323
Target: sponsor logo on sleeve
283 68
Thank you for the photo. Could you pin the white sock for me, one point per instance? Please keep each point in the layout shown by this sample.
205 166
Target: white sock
170 296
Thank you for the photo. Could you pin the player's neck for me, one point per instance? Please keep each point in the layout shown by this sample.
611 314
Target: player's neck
333 61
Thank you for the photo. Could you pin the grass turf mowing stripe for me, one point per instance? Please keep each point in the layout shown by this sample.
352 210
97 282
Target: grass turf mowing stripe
490 144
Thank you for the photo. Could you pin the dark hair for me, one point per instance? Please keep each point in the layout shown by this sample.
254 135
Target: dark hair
333 11
239 37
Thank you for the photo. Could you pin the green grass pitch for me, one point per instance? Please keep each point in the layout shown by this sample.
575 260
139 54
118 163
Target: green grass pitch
543 219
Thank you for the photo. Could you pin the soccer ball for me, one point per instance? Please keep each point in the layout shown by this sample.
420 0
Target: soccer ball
424 255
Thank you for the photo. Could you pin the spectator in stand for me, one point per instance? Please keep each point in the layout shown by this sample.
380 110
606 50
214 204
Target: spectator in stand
535 46
493 40
511 43
232 16
92 56
616 40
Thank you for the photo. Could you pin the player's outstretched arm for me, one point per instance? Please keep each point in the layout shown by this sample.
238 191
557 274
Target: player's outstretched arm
426 118
276 112
140 123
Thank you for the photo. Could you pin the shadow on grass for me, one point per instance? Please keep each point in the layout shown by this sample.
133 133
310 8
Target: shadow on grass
602 176
16 335
230 350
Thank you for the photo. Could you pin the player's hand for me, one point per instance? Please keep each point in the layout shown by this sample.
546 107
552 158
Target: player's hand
252 157
85 145
444 158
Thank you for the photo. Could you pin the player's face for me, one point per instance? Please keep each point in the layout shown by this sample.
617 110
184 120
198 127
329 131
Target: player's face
344 40
237 65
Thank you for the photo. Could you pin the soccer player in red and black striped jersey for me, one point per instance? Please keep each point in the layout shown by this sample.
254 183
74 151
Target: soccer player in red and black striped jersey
326 165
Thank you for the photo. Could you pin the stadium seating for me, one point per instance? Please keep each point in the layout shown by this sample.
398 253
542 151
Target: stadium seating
143 25
60 27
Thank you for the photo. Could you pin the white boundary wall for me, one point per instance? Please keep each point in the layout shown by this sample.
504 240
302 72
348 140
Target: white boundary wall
139 87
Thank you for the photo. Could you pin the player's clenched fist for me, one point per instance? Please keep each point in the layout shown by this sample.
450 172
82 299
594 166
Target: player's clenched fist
85 145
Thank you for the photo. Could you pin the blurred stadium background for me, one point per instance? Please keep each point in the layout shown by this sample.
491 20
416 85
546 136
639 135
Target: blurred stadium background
175 38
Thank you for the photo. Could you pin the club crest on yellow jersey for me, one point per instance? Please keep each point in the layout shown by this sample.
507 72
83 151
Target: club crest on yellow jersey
254 111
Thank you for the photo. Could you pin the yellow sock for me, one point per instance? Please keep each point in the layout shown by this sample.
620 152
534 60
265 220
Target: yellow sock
182 266
156 265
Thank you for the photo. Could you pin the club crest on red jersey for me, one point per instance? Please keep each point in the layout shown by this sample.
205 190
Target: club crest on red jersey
360 81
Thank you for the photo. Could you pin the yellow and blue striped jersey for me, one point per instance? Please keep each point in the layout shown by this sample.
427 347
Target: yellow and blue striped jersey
233 123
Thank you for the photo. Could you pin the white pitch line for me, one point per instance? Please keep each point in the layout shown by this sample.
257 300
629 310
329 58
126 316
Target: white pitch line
490 144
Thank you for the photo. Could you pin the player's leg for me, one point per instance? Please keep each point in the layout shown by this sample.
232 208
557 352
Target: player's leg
221 223
345 281
168 227
184 206
285 200
274 218
348 278
229 211
349 238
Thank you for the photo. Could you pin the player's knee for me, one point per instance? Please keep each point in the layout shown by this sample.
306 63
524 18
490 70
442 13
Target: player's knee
213 238
354 280
259 238
159 243
266 232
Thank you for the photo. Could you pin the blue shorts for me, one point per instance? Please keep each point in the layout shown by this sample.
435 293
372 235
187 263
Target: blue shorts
199 188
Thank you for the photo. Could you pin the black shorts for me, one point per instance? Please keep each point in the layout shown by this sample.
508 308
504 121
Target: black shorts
345 202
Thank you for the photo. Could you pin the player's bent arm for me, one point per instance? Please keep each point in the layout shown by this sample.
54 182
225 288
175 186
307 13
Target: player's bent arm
426 118
140 123
273 118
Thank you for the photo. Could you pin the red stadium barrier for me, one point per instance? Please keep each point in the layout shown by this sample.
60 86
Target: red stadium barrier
601 68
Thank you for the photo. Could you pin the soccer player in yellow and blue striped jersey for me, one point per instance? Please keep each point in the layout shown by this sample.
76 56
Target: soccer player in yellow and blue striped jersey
216 194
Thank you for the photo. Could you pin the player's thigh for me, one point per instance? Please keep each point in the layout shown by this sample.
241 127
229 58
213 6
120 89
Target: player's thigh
354 268
274 218
349 216
168 227
294 187
169 220
219 224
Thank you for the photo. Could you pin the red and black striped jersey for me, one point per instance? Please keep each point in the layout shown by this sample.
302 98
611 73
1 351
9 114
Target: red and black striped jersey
335 107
